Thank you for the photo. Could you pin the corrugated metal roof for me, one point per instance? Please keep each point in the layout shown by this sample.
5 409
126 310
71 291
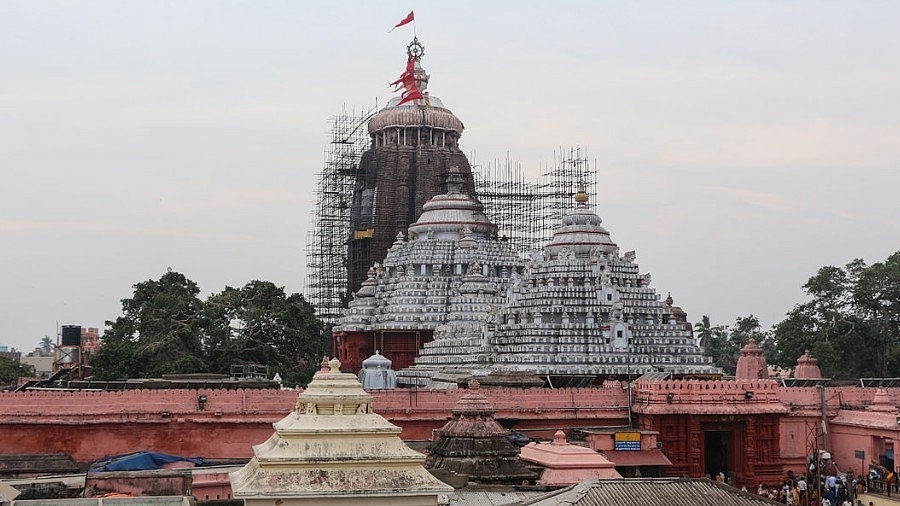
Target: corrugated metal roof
465 497
651 492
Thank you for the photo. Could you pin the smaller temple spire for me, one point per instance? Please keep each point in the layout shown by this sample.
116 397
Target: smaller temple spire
807 367
752 363
454 181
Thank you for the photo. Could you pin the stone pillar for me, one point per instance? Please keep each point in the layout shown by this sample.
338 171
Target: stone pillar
750 455
695 450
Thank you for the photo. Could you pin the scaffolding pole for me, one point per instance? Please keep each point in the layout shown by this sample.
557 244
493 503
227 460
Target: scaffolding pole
326 244
527 212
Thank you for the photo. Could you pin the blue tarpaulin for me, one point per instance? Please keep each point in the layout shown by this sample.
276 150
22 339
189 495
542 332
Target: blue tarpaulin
138 461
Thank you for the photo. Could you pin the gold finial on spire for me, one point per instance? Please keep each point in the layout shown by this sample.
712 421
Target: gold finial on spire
581 197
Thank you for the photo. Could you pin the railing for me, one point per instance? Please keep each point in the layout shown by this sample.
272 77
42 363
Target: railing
883 487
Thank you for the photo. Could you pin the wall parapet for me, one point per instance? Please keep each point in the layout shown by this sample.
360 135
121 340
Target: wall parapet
707 397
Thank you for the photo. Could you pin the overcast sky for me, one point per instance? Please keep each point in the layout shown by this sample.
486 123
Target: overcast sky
740 145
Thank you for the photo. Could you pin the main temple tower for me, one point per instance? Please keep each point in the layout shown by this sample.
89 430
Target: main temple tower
414 143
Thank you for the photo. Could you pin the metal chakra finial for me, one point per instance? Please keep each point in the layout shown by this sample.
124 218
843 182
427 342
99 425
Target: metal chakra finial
415 48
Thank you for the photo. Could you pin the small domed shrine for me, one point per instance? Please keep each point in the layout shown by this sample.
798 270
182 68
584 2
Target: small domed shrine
377 374
334 449
449 272
414 143
807 367
474 446
567 464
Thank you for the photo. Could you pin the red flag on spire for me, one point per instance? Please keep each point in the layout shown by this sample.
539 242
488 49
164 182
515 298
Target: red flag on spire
408 19
407 75
410 94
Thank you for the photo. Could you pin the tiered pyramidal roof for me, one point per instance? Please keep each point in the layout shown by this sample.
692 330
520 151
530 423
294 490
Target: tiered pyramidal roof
579 308
582 308
473 444
334 449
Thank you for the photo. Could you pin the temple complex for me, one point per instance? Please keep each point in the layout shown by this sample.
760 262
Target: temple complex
456 301
414 143
461 316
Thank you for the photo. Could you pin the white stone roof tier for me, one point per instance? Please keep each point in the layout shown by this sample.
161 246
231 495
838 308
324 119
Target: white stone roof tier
333 446
451 262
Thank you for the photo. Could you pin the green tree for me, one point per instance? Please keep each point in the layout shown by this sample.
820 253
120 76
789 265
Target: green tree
716 343
723 343
746 328
260 324
46 345
703 331
11 370
159 332
851 323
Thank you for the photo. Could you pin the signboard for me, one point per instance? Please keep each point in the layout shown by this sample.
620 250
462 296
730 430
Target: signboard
860 454
627 441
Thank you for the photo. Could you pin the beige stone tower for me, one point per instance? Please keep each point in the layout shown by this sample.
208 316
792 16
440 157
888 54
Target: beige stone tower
334 449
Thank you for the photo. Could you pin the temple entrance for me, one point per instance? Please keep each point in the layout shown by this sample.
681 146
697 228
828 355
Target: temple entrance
716 452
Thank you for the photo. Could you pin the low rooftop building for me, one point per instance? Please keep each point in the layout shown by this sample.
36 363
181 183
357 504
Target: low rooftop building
567 464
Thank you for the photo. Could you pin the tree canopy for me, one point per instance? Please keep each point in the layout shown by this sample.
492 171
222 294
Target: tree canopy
166 328
723 343
851 322
260 324
11 370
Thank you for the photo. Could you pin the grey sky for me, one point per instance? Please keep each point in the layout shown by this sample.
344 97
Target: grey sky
741 145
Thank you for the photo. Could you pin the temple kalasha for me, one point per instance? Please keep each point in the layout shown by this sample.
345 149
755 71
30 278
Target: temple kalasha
456 343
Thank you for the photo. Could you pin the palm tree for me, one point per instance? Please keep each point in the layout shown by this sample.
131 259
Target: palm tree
703 331
46 344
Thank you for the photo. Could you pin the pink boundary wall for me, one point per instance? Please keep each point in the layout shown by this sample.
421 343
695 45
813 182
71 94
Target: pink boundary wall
88 425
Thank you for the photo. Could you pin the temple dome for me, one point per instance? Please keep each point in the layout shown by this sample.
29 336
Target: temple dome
445 216
425 112
428 112
377 374
580 232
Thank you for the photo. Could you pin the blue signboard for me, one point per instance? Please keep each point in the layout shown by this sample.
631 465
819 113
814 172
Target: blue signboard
627 445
